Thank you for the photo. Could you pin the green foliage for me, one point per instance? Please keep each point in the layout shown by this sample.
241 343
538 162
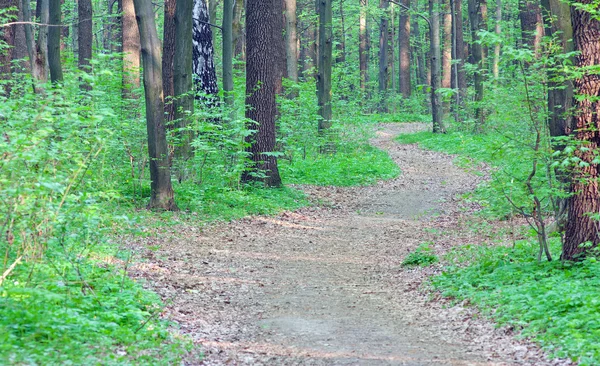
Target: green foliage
552 302
422 257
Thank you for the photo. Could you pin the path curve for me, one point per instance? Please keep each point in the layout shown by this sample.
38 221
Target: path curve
323 285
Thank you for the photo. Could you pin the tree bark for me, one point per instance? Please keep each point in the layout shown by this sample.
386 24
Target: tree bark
324 66
56 74
436 69
227 46
212 16
168 57
162 196
478 59
532 25
84 37
363 50
40 67
203 55
585 199
498 31
341 45
7 36
238 30
264 36
383 54
291 40
447 51
182 80
459 50
404 51
131 49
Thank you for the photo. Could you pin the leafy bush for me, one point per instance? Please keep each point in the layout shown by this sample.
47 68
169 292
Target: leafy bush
422 257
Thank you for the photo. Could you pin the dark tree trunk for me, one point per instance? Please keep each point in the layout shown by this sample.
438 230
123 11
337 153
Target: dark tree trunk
341 45
404 51
205 76
530 15
182 79
436 68
7 35
168 56
581 228
363 49
162 196
459 47
324 67
263 43
85 36
478 59
131 48
56 74
227 45
383 54
40 65
291 39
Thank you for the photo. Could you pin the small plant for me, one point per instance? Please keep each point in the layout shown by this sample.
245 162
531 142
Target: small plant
422 257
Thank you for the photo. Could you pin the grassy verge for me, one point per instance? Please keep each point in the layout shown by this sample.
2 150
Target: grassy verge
555 304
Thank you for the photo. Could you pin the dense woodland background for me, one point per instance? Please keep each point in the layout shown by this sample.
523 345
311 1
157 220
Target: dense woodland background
200 107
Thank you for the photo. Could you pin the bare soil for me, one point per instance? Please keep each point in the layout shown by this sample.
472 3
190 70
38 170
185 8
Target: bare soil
323 285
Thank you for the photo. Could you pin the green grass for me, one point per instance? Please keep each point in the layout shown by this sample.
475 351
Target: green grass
363 165
423 256
554 303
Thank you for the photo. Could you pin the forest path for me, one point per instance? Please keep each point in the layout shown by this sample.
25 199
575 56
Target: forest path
324 285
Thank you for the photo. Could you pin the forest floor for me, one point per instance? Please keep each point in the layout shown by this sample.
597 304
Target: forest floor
324 285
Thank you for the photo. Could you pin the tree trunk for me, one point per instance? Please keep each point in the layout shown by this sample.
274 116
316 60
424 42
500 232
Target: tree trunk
7 36
238 30
131 49
391 82
160 174
585 199
182 80
291 40
363 51
447 52
203 55
324 67
532 29
212 16
383 54
84 37
263 27
459 51
477 54
56 74
227 46
341 46
436 69
495 65
404 51
40 69
168 56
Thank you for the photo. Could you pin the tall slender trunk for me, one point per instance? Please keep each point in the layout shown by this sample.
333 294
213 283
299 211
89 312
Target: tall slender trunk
436 69
85 36
447 51
40 67
324 65
291 40
162 196
392 50
363 51
7 36
404 51
341 46
212 16
498 31
203 54
239 42
383 54
477 54
532 31
131 49
182 80
56 74
227 47
263 44
168 56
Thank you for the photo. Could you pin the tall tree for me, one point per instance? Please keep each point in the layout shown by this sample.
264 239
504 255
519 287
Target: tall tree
84 36
582 228
478 59
383 52
532 25
363 50
54 33
227 44
40 65
447 47
205 75
162 196
436 67
182 79
263 43
7 36
498 32
404 50
458 49
324 64
291 40
168 57
238 29
130 36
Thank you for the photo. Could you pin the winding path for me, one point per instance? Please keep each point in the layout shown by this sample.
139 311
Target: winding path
324 285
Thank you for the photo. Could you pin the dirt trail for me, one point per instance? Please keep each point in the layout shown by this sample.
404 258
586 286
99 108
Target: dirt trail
324 286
